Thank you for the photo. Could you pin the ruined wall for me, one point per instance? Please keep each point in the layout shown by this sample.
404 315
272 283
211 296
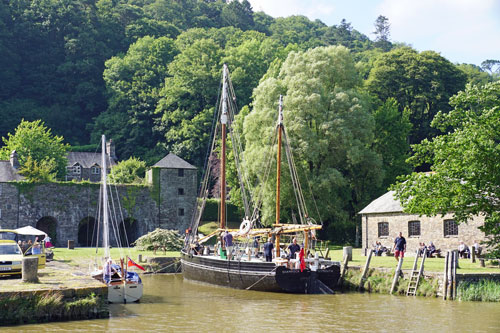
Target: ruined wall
431 230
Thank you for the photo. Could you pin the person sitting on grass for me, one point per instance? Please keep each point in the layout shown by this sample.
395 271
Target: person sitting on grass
431 249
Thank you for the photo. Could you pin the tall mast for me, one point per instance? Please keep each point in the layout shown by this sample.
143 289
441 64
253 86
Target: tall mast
278 172
223 120
105 218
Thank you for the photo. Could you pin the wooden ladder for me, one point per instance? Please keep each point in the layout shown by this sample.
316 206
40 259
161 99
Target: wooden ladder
415 275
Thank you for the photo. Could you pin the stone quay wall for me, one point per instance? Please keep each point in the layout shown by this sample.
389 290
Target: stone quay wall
431 230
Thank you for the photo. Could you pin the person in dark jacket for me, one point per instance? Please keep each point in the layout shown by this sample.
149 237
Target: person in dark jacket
268 250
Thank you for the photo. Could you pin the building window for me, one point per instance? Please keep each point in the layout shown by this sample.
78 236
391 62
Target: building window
76 169
450 228
181 211
180 172
383 229
414 228
95 170
180 191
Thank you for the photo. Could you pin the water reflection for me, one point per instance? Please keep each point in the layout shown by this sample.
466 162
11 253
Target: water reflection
171 304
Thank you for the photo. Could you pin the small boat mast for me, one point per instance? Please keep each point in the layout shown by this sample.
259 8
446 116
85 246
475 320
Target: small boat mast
105 218
278 172
223 120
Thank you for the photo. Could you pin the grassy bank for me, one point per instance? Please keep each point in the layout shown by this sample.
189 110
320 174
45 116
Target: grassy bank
50 306
483 291
380 282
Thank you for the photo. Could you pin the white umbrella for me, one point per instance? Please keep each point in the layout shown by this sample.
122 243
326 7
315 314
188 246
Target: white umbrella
28 230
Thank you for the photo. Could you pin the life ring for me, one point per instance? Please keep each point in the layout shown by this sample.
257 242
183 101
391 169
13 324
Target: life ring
245 227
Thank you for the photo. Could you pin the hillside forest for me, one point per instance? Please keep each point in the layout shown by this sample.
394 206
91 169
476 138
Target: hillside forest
147 74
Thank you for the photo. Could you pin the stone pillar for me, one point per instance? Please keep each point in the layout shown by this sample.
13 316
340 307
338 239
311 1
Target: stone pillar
30 269
71 244
347 252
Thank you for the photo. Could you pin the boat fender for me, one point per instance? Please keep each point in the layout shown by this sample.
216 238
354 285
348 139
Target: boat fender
245 227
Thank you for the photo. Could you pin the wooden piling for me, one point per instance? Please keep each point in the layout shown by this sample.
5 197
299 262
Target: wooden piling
473 254
445 276
344 270
455 275
396 275
365 270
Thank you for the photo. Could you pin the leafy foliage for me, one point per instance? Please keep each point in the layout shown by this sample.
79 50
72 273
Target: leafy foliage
464 163
169 239
128 172
35 141
39 172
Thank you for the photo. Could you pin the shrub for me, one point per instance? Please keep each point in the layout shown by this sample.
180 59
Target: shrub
159 238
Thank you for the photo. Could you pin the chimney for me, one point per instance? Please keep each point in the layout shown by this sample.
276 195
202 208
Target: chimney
14 161
110 149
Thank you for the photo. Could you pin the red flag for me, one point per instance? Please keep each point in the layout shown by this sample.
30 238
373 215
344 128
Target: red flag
302 261
132 263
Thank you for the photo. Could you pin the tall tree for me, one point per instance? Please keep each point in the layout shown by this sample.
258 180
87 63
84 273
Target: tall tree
382 33
464 162
330 128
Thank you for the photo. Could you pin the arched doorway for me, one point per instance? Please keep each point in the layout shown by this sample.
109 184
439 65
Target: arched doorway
87 232
128 231
48 224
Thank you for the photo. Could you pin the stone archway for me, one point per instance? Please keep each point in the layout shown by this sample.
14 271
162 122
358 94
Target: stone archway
87 232
129 231
48 224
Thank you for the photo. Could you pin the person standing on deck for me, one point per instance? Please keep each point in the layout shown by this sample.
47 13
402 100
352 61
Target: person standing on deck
399 247
228 242
268 250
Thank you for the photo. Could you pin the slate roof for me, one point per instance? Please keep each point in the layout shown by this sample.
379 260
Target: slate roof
86 160
172 161
384 204
8 173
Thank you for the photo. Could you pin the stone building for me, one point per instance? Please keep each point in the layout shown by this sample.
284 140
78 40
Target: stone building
383 219
87 166
68 211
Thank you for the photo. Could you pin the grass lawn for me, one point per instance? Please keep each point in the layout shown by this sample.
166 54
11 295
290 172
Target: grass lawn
431 264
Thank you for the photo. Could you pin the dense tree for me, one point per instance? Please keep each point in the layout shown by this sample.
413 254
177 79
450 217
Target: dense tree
475 74
134 81
330 129
421 82
464 163
392 129
34 141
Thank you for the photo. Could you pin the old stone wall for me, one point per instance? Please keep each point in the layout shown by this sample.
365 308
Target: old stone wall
66 208
431 230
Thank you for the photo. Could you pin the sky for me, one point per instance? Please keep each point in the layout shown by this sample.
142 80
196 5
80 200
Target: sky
463 31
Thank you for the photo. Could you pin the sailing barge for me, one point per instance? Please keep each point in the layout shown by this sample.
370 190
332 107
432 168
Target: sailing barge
245 270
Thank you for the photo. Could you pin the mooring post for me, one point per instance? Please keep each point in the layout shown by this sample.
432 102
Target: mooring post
30 270
473 254
445 275
450 275
396 275
455 276
344 270
365 270
347 252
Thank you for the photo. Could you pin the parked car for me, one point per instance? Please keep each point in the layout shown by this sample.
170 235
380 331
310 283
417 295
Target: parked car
11 258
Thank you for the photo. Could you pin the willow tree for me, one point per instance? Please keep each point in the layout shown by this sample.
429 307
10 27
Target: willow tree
330 130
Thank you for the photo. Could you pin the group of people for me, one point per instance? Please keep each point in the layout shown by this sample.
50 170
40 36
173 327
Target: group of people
36 246
378 249
430 250
464 251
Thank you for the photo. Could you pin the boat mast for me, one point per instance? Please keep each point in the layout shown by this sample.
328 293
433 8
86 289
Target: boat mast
278 173
223 120
105 219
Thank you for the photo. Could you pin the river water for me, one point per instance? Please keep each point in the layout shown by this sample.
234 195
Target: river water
171 304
